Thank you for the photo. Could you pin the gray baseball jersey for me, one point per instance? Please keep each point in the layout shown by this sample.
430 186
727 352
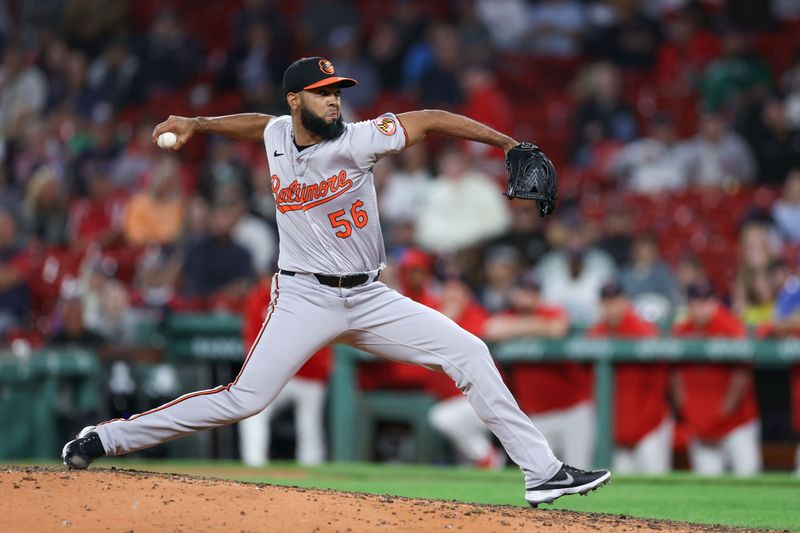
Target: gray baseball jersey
327 211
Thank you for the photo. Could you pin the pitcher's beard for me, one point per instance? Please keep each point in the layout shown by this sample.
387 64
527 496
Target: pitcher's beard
318 126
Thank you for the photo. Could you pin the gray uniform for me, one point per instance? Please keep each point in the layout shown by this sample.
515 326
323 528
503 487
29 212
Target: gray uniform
328 223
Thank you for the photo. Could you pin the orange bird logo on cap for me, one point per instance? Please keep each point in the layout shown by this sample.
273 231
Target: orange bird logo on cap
326 66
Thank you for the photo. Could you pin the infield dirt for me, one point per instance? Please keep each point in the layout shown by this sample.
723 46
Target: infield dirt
34 499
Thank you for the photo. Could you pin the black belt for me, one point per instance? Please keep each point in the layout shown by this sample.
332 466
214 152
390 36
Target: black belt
342 282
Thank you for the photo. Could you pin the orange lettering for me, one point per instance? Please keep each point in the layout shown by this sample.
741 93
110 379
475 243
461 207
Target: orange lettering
297 196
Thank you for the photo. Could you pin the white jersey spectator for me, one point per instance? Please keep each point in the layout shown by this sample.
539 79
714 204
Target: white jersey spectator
405 190
717 156
573 275
651 164
462 208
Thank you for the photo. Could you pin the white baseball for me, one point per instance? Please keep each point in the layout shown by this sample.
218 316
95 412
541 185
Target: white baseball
167 140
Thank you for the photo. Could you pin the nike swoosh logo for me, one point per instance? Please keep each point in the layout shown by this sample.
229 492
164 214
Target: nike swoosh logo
568 481
276 154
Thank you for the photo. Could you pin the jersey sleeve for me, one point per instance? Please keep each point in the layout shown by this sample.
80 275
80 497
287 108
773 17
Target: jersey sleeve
275 124
372 139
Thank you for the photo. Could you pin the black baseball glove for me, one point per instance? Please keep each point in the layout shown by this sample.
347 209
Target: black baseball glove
532 176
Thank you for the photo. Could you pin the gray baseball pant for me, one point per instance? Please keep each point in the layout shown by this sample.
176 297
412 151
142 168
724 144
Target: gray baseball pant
304 316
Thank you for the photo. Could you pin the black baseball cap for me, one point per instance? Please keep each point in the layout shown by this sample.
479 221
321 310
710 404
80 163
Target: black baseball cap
610 289
701 290
529 280
311 73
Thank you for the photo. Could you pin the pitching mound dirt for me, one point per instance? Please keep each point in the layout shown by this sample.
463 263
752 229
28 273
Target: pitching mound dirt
51 499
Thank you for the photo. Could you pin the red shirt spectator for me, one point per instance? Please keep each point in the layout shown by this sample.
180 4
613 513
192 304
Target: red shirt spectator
486 103
640 390
544 387
99 217
714 399
683 57
415 270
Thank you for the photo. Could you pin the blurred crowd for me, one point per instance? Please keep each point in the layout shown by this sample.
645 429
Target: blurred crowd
675 126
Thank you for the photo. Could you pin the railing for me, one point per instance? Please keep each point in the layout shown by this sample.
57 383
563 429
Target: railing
603 353
216 338
30 397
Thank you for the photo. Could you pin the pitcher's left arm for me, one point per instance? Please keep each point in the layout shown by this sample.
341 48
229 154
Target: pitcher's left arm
418 124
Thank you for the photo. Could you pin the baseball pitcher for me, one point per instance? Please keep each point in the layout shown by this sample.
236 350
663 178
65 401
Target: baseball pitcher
327 289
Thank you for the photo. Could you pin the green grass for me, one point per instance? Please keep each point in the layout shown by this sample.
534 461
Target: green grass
768 501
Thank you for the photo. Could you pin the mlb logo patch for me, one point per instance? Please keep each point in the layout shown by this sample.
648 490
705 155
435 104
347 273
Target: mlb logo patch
385 125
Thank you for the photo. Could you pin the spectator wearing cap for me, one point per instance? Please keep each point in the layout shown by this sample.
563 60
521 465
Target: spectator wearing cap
643 426
557 396
573 273
526 233
717 156
502 268
648 165
98 218
717 401
415 277
616 234
649 282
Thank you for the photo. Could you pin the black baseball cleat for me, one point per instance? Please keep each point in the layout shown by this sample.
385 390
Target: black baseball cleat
568 480
79 453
